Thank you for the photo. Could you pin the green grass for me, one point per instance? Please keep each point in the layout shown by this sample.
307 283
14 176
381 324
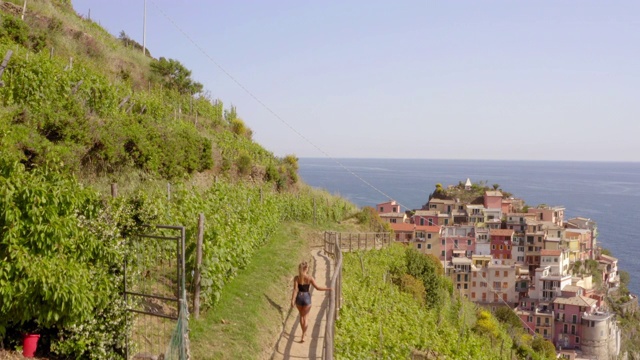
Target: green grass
248 319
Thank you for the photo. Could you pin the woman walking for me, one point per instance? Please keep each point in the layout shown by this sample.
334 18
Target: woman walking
301 298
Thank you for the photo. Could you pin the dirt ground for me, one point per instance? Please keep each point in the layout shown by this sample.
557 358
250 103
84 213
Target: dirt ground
14 355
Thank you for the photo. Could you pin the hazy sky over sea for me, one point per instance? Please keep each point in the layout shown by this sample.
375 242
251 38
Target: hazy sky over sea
530 80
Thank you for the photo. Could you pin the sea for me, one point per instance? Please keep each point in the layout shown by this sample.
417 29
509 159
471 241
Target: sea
605 192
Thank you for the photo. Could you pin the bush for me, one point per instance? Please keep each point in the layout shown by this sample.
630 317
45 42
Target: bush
14 29
61 259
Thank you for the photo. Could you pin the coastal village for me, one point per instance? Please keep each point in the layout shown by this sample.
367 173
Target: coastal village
499 252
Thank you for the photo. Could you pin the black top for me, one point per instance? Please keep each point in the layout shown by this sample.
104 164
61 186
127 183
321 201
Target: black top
303 287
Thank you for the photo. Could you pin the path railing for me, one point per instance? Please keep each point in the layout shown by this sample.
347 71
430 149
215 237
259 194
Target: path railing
334 244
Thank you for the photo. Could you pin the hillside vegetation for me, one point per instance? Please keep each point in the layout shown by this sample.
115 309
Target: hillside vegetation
397 304
81 110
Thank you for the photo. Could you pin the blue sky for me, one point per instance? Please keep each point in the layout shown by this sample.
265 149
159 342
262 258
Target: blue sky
521 80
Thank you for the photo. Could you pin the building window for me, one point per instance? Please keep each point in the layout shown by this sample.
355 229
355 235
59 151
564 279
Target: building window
442 254
430 222
455 243
381 209
393 221
506 274
473 283
466 286
493 247
428 236
421 221
428 246
529 318
395 209
501 248
473 295
497 273
577 340
469 242
443 241
419 246
475 275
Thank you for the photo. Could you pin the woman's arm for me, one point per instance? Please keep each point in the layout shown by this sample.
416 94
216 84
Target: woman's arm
313 282
295 290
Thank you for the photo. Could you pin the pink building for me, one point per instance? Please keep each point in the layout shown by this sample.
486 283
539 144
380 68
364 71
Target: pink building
493 200
457 241
568 316
388 207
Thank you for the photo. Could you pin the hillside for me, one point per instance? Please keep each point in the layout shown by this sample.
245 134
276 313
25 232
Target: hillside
96 141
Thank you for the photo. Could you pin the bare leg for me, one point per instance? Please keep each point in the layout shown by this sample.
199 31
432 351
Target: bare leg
304 324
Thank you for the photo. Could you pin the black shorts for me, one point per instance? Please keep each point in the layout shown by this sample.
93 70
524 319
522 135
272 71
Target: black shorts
303 298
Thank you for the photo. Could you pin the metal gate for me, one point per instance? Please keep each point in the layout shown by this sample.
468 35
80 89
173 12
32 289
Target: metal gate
154 290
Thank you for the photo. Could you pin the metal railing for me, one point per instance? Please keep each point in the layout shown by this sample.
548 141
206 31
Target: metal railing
333 247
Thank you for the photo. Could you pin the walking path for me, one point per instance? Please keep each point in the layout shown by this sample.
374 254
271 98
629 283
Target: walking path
288 345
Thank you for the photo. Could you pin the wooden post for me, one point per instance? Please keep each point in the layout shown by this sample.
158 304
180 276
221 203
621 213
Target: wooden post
51 53
76 87
24 10
314 211
124 101
168 191
196 291
114 190
4 64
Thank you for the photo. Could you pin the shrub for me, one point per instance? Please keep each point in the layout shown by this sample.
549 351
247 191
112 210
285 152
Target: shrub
14 29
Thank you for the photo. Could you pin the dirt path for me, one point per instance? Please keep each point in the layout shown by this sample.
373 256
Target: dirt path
288 345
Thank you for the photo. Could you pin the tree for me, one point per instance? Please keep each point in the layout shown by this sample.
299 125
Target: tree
175 76
506 316
496 186
544 347
428 269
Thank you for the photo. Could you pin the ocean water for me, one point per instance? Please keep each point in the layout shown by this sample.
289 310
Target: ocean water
606 192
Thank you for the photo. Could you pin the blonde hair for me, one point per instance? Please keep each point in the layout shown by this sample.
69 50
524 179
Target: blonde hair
302 268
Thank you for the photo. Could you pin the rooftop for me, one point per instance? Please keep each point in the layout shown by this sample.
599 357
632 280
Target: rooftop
576 301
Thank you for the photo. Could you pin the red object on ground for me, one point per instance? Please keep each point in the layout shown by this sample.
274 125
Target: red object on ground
29 344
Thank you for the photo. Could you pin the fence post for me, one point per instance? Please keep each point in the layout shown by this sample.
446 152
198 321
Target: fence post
114 190
196 291
168 191
4 64
314 211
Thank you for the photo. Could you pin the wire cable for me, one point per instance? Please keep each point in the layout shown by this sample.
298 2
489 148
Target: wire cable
265 106
292 128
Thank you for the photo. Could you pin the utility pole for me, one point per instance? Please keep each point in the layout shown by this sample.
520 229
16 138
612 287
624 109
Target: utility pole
144 29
